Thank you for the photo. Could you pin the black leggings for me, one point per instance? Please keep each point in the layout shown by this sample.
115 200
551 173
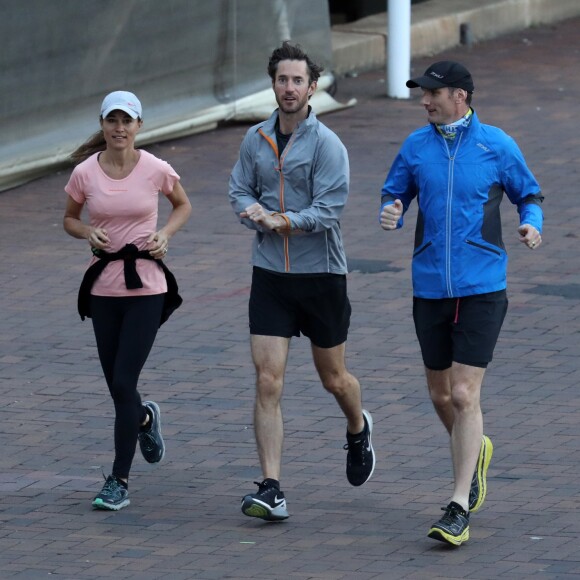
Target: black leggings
125 329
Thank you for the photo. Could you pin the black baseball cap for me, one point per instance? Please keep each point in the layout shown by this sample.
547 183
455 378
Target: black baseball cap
445 73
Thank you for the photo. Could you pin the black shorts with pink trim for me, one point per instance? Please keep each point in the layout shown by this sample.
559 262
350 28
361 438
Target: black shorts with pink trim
463 330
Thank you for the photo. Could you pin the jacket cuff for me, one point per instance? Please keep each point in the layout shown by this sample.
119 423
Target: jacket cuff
288 226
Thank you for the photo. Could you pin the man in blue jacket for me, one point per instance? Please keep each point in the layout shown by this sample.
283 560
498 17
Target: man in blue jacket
290 186
459 169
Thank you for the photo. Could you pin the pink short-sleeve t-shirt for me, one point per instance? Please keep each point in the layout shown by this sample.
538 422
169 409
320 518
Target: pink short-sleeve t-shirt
127 209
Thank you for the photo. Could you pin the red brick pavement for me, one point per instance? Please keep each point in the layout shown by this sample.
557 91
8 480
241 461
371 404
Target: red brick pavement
185 522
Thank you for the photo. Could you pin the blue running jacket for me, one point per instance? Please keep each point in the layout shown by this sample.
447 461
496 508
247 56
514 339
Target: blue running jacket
459 186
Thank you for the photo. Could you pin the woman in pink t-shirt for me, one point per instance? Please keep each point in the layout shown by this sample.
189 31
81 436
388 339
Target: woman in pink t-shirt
126 285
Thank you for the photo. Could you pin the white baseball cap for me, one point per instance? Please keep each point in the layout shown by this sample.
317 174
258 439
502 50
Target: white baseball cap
122 101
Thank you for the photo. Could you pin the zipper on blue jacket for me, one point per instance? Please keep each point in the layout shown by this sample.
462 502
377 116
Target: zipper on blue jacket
448 212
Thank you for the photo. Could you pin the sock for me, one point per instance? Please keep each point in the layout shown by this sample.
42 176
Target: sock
357 435
121 482
272 483
147 425
460 509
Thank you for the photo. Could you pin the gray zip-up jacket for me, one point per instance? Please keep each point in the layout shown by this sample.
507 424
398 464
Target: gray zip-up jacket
307 184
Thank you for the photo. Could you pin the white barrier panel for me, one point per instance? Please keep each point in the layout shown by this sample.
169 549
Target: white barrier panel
192 63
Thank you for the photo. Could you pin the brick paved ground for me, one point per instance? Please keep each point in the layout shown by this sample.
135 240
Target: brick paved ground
184 522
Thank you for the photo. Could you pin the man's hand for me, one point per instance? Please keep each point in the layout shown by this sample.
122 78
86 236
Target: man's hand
530 236
258 215
391 214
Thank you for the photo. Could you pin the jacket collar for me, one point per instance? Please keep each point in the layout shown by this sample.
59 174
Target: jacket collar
471 129
269 126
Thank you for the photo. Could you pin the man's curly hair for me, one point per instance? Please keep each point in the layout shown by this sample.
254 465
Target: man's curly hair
290 51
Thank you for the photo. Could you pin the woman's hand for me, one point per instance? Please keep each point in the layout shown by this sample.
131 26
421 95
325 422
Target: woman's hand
98 238
158 244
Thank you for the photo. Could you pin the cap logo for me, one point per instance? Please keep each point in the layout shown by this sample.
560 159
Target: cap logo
432 73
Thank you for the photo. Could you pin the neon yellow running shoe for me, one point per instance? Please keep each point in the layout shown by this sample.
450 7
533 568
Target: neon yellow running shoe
453 527
478 489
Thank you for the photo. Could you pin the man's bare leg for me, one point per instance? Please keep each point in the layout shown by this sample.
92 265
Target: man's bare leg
331 367
455 393
270 354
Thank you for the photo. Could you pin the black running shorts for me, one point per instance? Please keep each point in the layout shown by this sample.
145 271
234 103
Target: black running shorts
289 304
463 330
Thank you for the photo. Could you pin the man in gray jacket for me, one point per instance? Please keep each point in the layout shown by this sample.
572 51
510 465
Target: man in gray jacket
290 185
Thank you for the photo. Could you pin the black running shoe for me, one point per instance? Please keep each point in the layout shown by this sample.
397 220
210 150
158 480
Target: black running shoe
478 489
267 504
360 460
150 439
453 527
114 495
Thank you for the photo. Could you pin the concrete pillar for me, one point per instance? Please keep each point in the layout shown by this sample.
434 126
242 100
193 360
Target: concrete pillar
398 48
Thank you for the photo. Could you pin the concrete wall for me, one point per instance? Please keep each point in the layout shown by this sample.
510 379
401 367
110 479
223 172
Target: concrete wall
435 27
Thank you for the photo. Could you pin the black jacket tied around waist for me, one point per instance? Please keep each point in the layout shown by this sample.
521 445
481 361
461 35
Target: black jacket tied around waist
129 254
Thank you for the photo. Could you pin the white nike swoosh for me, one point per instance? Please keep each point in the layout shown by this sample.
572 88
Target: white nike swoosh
278 501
